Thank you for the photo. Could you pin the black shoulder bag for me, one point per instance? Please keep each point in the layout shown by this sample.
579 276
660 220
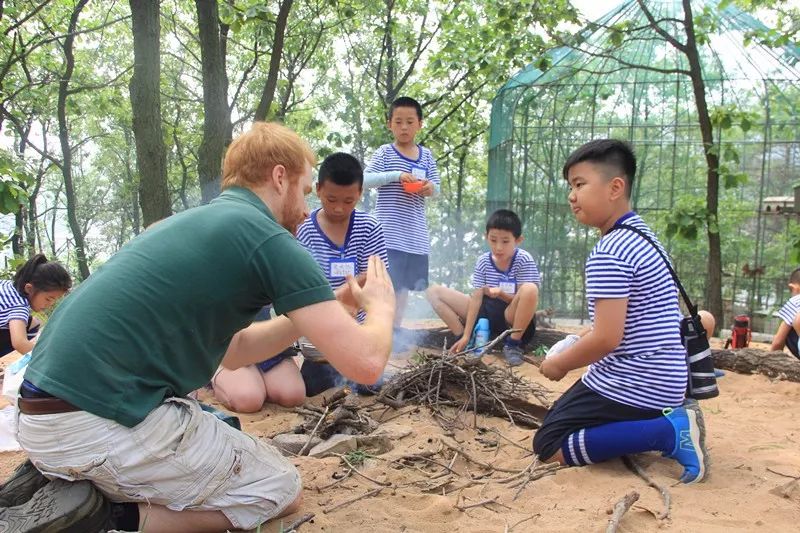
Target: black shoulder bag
702 383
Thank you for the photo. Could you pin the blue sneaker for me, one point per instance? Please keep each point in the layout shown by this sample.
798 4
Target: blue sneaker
513 354
690 434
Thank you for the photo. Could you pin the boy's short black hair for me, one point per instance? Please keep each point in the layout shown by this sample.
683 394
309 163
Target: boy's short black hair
405 101
617 156
794 277
342 169
505 219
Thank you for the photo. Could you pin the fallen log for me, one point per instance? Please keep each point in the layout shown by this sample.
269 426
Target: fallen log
777 365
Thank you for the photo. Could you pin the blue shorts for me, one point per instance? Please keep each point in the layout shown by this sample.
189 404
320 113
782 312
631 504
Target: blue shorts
409 272
272 362
579 408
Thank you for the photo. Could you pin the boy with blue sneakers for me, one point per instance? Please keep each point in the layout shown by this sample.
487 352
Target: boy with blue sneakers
506 290
631 399
401 208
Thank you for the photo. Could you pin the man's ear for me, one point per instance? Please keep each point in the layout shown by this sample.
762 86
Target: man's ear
519 239
279 177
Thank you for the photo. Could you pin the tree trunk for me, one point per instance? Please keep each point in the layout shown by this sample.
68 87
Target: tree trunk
217 116
151 154
714 272
778 365
66 150
274 61
459 218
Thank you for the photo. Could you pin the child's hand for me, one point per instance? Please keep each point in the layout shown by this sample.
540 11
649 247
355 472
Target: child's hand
460 345
550 369
428 189
407 177
492 292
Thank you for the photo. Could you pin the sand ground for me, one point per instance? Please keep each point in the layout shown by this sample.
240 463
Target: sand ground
753 439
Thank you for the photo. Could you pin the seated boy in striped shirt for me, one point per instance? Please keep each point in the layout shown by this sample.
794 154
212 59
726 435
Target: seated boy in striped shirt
341 239
401 211
786 336
631 398
506 290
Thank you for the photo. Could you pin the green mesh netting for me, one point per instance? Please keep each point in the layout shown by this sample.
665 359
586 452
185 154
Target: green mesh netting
539 117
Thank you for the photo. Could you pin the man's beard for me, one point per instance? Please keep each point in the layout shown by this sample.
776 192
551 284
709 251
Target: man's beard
291 218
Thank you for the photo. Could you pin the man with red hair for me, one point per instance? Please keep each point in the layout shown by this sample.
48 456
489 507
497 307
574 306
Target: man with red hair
104 398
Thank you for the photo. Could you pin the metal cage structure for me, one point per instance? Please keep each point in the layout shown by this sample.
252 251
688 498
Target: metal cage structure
621 78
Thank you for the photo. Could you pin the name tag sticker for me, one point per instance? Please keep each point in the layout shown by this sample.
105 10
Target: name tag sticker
508 286
418 172
340 268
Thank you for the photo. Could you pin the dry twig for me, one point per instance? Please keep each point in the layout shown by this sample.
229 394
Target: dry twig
476 504
369 494
620 508
297 523
665 495
356 471
313 432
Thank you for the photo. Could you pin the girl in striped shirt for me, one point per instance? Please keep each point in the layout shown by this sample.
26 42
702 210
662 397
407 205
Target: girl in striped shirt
37 285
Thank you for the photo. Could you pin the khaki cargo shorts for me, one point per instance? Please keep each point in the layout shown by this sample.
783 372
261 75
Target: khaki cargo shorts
180 457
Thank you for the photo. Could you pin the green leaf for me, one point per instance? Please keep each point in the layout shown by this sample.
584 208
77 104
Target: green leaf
745 124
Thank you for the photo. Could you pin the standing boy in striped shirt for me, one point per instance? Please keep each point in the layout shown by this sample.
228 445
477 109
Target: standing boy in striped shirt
786 336
341 239
631 399
506 290
401 213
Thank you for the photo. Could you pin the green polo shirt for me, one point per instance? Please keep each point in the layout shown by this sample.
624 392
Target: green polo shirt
157 318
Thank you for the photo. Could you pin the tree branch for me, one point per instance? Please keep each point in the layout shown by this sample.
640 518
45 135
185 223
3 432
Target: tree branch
24 19
661 31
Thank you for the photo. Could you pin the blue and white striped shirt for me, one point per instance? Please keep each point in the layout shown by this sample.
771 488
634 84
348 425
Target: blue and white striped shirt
401 214
790 309
648 368
364 238
522 269
13 306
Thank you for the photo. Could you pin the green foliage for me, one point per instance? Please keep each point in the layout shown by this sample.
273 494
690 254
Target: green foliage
688 218
14 179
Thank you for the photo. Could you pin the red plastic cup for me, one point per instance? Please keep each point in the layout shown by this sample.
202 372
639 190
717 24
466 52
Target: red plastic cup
412 187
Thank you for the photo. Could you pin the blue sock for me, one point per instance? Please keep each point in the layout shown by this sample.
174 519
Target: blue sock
601 443
512 342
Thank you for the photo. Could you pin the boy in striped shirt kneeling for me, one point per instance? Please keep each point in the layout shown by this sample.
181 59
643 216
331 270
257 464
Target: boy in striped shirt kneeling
632 397
506 290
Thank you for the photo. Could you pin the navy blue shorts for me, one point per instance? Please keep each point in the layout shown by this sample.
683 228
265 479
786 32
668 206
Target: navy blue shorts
791 342
579 408
272 362
494 309
409 272
5 337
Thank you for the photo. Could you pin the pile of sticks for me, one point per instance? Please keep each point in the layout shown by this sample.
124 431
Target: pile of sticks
465 383
339 414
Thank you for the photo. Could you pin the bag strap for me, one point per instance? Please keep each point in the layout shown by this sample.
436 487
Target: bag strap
692 308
